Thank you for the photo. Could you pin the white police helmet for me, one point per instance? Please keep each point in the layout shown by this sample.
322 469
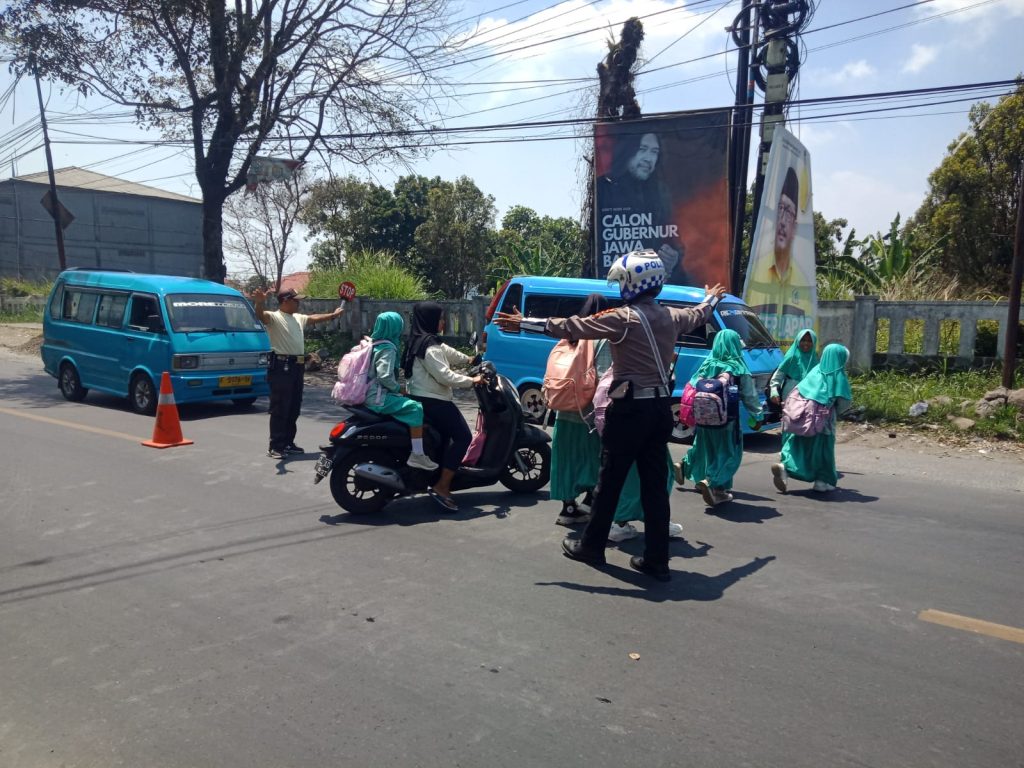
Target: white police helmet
637 272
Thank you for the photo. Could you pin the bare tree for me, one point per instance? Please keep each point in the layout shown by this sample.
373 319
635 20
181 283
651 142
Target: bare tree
233 80
258 227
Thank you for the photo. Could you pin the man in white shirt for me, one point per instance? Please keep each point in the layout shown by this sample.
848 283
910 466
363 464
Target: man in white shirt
286 328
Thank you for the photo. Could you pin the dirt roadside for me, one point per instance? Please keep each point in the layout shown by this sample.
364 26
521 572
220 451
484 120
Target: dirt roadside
25 339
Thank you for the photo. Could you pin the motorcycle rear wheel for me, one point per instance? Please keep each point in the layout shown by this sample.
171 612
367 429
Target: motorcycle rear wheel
537 459
353 494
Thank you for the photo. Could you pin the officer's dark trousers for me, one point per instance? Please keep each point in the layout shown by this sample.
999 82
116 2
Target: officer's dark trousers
634 431
285 402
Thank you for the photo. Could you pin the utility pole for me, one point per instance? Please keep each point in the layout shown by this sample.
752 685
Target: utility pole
49 168
1013 312
779 56
743 32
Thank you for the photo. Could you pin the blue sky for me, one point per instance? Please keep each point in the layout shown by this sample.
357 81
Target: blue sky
865 169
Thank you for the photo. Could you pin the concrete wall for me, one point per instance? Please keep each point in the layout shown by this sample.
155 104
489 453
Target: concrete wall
110 231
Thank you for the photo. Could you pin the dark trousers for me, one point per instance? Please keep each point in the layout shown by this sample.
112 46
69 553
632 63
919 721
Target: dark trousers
285 402
634 431
447 419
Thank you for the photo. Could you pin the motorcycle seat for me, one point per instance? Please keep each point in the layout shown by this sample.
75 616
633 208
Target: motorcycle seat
365 415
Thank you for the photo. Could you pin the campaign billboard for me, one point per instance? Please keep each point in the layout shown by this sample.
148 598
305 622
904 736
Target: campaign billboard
780 286
661 183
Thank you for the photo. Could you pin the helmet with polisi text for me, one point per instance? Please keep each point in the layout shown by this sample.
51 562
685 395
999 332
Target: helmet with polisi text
636 272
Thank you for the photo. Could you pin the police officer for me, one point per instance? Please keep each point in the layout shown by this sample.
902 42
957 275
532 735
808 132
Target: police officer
638 421
286 328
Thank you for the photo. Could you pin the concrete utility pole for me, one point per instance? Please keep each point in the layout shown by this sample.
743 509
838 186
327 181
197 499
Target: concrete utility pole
58 228
1013 312
743 32
779 57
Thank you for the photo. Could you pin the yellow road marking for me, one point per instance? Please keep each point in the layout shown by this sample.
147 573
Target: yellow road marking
966 623
69 424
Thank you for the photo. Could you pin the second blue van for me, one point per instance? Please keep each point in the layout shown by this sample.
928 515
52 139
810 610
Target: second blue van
118 332
523 356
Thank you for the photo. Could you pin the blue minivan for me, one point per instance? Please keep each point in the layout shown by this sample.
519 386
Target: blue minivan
118 332
523 356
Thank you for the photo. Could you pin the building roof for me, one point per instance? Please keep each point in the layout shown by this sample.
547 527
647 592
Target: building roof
296 281
79 178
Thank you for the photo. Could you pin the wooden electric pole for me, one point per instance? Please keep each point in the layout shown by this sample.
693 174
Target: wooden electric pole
55 212
1013 312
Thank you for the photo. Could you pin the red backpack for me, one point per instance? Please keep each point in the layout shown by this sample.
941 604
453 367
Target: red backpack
570 378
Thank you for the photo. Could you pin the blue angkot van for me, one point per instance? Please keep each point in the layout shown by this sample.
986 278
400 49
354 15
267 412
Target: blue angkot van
118 332
523 356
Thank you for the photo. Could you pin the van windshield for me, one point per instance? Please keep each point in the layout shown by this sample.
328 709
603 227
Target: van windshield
743 320
204 312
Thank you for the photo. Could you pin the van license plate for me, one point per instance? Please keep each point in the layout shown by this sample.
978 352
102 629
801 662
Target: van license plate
234 381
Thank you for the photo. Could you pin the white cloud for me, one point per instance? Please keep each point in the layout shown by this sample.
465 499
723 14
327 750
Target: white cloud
920 57
964 11
852 71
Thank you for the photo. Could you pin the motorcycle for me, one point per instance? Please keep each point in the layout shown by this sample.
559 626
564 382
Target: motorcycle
367 453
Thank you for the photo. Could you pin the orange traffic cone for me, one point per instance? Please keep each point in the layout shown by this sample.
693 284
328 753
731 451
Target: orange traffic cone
167 430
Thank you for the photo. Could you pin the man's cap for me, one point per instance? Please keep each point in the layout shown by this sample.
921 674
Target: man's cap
289 293
791 186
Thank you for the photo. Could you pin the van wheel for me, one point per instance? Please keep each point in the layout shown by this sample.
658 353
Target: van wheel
680 432
535 407
243 402
535 472
69 383
142 394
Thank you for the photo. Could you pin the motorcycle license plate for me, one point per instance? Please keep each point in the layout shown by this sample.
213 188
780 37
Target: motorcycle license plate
234 381
322 468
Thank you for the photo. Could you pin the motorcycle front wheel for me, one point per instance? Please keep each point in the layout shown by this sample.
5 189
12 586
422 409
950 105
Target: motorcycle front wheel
534 472
354 494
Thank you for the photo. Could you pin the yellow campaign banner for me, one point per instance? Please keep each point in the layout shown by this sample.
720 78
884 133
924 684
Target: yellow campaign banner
780 286
661 183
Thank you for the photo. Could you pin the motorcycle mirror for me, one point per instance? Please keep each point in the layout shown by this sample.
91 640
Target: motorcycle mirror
473 339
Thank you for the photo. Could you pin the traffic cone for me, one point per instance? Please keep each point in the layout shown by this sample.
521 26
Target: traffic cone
167 430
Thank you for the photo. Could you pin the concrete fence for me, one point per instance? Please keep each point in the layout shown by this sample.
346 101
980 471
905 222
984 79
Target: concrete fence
859 325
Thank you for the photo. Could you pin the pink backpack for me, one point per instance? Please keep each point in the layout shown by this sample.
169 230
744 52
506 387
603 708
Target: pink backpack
354 373
686 406
570 378
804 417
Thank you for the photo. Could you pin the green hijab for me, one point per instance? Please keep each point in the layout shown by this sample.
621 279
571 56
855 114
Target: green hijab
388 327
827 380
797 364
726 355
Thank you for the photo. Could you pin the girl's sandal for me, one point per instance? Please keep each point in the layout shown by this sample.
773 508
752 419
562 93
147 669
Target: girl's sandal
446 502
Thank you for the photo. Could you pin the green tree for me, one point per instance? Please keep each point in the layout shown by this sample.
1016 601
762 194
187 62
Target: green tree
972 195
530 244
237 80
456 242
350 215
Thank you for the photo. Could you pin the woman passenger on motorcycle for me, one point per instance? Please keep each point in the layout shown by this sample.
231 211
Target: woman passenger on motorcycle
383 394
428 367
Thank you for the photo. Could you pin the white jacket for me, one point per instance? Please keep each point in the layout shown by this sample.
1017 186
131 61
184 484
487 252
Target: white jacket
433 375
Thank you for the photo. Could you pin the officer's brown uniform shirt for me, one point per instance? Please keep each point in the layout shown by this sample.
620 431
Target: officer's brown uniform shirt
635 360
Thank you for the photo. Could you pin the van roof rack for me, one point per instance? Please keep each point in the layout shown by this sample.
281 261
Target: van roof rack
99 269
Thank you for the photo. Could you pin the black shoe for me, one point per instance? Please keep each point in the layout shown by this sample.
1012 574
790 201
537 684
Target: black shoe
274 453
293 448
574 550
572 515
661 574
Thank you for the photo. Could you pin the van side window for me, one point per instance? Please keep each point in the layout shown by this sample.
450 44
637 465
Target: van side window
111 309
539 305
143 307
79 306
512 299
57 302
698 337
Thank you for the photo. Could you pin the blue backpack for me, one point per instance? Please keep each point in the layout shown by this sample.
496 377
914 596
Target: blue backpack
716 401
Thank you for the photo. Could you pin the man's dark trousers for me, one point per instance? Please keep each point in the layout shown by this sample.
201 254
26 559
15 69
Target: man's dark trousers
634 431
285 402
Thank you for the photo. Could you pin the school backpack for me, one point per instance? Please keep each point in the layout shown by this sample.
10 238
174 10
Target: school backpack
686 406
570 378
354 373
803 416
716 401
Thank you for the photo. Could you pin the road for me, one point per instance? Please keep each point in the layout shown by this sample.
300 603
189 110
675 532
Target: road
208 606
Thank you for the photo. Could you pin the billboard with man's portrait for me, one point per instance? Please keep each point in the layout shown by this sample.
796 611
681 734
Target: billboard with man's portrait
780 285
661 183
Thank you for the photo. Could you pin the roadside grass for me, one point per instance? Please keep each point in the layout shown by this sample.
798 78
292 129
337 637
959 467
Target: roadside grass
888 395
20 288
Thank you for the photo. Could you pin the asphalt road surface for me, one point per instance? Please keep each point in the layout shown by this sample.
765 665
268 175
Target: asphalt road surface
208 606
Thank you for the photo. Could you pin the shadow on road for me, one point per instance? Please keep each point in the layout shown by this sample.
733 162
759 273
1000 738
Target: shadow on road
419 509
684 586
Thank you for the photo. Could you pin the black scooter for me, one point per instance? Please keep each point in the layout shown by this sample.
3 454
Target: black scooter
367 454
